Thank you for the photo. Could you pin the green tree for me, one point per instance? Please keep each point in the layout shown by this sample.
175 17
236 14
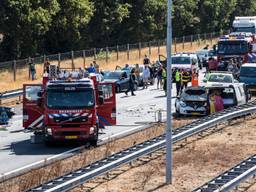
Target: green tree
23 23
67 24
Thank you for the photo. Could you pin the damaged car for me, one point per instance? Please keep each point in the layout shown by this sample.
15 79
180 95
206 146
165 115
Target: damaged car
192 101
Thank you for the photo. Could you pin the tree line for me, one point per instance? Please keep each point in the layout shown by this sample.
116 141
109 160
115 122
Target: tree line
37 27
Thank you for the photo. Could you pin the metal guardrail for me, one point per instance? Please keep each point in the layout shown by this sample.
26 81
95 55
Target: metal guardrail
11 94
77 178
231 178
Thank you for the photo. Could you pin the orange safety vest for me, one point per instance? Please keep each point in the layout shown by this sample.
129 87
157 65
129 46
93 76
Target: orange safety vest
194 80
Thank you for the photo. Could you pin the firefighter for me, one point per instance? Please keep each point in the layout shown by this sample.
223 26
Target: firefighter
185 79
164 77
178 81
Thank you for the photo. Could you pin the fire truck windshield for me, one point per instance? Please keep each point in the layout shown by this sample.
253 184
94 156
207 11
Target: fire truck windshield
71 99
232 47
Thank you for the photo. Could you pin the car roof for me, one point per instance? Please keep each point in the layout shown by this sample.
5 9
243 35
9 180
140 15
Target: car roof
185 55
249 65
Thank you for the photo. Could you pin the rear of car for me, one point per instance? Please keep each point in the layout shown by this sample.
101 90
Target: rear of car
248 76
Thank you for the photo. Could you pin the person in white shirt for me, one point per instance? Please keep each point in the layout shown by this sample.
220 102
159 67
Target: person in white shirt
145 76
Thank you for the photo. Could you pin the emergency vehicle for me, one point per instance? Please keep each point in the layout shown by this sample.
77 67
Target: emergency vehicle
237 45
245 24
72 109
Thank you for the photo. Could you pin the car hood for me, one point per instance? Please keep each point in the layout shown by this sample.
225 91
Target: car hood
181 66
187 97
248 80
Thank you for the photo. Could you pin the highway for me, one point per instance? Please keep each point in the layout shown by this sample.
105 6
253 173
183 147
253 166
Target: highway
16 150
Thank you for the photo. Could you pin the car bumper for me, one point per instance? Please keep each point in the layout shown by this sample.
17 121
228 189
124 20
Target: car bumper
192 111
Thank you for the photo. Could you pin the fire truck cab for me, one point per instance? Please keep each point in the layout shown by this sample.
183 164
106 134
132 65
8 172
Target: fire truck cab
72 109
237 45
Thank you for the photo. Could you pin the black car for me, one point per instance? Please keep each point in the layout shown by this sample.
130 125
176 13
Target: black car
121 79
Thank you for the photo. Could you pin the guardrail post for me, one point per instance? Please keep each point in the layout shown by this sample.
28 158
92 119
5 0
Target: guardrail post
14 70
106 54
183 42
95 53
175 45
59 59
128 52
199 40
158 47
191 41
139 50
72 60
117 52
149 48
84 58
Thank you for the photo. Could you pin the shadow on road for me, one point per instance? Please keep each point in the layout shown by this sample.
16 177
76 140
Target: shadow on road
26 148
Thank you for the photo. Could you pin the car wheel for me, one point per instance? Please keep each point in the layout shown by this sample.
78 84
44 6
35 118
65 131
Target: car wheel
118 89
135 87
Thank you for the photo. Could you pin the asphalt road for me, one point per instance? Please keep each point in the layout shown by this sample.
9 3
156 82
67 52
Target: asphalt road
16 150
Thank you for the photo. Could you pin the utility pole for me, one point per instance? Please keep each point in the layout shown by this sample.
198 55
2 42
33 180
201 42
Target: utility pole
169 97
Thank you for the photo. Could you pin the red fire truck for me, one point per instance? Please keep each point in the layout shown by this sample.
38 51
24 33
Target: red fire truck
237 45
69 109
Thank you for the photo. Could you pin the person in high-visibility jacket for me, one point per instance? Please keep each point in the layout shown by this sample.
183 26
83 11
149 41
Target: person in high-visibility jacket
185 79
164 77
177 79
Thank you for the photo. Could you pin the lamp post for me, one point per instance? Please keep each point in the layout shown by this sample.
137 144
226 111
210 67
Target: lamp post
169 97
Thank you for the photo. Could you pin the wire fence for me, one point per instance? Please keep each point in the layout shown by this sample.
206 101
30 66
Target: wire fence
120 54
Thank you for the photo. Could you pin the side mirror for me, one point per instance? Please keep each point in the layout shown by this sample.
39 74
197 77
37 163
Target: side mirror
205 80
101 100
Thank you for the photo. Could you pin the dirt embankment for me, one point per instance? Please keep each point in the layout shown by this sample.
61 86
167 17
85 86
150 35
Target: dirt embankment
194 164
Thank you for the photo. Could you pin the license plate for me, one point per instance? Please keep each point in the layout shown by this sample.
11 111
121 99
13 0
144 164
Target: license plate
71 137
194 113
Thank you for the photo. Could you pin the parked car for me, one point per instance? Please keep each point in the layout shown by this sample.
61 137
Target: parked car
248 76
121 80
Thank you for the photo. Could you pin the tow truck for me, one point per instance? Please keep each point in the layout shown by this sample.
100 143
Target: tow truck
72 109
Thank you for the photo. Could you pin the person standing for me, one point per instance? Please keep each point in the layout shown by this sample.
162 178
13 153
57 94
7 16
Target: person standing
47 65
132 79
178 81
96 66
32 70
137 72
185 79
159 75
146 60
164 77
145 76
218 102
91 69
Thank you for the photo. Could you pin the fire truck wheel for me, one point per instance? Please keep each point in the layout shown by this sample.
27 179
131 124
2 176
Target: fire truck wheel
94 139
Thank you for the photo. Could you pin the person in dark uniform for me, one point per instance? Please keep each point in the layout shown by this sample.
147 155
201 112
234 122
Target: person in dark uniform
132 79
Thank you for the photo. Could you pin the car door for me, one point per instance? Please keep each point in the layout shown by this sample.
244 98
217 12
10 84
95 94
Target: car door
107 111
32 112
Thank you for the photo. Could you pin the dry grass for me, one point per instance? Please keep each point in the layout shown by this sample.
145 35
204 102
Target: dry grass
22 76
85 157
193 165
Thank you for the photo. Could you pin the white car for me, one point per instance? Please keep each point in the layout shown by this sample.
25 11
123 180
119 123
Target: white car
219 77
185 61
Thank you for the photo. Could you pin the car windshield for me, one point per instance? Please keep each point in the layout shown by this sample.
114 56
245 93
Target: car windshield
220 78
245 29
248 71
232 47
60 98
195 92
212 53
112 75
181 60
